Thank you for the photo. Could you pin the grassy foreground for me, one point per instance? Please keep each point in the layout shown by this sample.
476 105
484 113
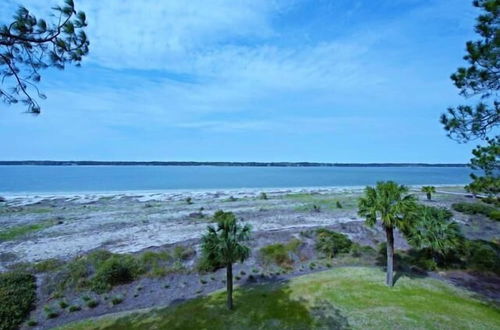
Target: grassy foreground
341 298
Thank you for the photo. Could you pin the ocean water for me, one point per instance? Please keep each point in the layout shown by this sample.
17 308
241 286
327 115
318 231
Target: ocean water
61 179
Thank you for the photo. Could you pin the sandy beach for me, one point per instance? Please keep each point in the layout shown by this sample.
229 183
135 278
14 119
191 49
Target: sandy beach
128 222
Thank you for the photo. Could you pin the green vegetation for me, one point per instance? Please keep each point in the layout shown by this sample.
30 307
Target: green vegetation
101 270
74 308
429 190
335 299
117 300
92 303
263 195
189 200
280 254
482 255
23 230
50 312
480 79
29 37
388 203
17 297
477 208
434 232
223 246
47 265
317 202
331 243
117 269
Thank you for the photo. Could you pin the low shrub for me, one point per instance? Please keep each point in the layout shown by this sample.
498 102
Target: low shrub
279 253
74 308
47 265
491 200
263 195
477 208
116 300
204 265
482 255
276 253
50 313
118 269
331 243
494 215
17 297
92 303
32 323
183 252
338 205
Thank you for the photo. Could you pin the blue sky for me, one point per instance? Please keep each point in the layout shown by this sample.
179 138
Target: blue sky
251 80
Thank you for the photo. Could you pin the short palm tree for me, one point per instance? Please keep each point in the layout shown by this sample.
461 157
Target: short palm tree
223 246
389 204
429 190
434 231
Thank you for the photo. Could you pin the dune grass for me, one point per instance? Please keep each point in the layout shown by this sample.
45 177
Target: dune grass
324 202
344 298
23 230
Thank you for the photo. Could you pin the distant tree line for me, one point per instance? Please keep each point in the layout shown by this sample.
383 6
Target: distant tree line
189 163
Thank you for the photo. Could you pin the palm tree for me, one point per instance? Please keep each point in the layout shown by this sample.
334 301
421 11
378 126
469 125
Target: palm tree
434 231
222 246
429 190
388 203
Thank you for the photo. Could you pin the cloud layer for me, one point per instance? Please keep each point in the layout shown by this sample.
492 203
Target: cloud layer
316 72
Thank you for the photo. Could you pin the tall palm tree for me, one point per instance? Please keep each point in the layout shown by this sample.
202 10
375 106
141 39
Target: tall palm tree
222 246
429 190
389 204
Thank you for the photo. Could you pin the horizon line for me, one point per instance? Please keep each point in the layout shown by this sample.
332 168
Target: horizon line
217 163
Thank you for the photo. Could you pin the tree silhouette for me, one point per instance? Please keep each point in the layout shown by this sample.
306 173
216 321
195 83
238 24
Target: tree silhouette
30 44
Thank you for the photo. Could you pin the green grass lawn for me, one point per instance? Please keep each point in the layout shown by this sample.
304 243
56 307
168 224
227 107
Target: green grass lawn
345 298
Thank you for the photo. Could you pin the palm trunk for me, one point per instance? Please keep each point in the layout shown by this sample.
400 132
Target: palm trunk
229 281
390 255
429 196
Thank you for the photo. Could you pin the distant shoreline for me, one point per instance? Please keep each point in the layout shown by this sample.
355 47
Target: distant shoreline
241 164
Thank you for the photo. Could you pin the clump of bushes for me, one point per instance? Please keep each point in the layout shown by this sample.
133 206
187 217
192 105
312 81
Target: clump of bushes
189 200
477 208
276 253
47 265
50 312
263 195
491 200
280 253
116 300
482 255
74 308
331 243
17 297
118 269
183 252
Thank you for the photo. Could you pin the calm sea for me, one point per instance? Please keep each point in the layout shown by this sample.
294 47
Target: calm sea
52 179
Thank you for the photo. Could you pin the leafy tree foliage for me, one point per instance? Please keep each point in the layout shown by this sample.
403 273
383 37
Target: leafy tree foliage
487 159
392 206
223 246
434 231
30 44
480 79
